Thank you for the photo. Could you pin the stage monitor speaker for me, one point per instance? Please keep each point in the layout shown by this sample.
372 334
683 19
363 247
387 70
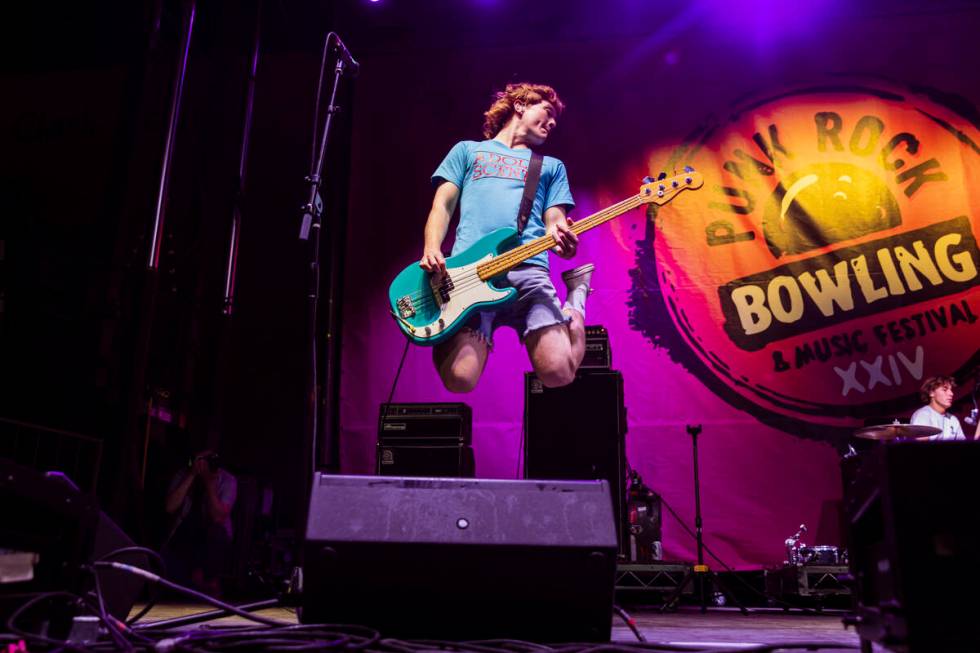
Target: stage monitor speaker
577 432
48 532
913 545
456 559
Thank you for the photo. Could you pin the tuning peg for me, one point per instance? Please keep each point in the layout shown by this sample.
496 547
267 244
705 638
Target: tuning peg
662 175
688 169
648 179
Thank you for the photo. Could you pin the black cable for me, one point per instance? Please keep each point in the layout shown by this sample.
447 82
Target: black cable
398 373
309 637
629 621
394 384
786 646
517 645
111 627
187 590
290 637
136 549
36 637
161 567
629 647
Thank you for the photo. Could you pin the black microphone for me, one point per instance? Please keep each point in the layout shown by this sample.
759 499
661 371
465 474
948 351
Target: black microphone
352 66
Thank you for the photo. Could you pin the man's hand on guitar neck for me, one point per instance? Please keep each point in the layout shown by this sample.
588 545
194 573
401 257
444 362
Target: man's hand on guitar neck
560 229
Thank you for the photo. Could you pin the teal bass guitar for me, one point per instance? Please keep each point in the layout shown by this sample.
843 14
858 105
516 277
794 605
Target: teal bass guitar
431 308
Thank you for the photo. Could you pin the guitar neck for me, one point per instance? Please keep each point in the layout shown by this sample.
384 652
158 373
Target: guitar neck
512 258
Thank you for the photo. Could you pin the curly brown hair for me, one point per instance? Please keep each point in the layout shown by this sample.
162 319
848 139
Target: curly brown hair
934 382
503 104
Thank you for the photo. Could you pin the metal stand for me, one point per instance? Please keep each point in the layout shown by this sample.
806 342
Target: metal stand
310 230
210 615
705 580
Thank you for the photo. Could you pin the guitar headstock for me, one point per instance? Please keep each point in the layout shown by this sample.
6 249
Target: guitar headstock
663 189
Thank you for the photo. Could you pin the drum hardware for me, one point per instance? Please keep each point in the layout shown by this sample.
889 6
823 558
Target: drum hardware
793 545
819 555
799 554
896 431
974 415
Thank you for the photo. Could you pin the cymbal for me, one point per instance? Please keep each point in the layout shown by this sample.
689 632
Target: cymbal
895 431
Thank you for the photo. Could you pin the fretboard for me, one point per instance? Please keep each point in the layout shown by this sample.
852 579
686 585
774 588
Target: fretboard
512 258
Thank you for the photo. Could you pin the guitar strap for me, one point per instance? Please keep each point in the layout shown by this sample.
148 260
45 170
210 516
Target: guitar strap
530 190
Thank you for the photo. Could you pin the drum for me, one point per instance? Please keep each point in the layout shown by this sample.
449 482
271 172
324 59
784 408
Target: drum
819 555
793 555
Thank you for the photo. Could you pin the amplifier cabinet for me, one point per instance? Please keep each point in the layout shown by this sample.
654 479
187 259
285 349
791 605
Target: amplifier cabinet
913 545
436 424
453 460
576 432
598 354
425 439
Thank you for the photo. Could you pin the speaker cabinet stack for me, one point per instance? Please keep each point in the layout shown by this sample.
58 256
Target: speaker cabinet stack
913 545
577 432
461 559
425 440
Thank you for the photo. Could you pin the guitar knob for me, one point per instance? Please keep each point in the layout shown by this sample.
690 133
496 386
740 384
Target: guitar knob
428 331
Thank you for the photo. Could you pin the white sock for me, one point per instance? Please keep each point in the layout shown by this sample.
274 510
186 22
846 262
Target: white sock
576 299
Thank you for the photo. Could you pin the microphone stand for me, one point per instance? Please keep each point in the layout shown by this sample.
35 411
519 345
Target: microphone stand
310 230
703 577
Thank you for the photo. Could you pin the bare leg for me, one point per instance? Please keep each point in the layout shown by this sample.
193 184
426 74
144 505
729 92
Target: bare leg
557 351
576 335
460 360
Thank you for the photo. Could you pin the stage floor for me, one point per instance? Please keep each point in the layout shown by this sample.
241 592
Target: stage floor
724 628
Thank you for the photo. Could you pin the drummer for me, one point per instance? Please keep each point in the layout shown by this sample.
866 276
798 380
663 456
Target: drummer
938 392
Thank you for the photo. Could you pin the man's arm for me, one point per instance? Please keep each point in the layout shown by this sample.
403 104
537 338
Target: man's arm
218 509
176 496
558 226
437 225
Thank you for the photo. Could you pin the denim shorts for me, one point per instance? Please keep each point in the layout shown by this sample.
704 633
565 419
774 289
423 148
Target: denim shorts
536 306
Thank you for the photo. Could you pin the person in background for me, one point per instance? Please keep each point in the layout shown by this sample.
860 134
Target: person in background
937 392
200 499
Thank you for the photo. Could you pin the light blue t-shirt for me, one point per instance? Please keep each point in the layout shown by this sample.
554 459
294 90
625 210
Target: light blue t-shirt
949 423
490 176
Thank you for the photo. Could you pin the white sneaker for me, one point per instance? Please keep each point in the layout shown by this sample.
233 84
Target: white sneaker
579 276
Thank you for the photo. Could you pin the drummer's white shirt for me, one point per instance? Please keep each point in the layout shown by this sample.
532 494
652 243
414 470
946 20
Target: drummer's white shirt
948 422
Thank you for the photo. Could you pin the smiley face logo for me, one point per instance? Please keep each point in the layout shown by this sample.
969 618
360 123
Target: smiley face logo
832 262
826 203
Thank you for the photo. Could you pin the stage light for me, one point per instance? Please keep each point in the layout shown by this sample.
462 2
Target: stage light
767 22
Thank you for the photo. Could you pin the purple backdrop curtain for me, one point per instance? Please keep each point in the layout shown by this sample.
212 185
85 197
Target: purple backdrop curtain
631 104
